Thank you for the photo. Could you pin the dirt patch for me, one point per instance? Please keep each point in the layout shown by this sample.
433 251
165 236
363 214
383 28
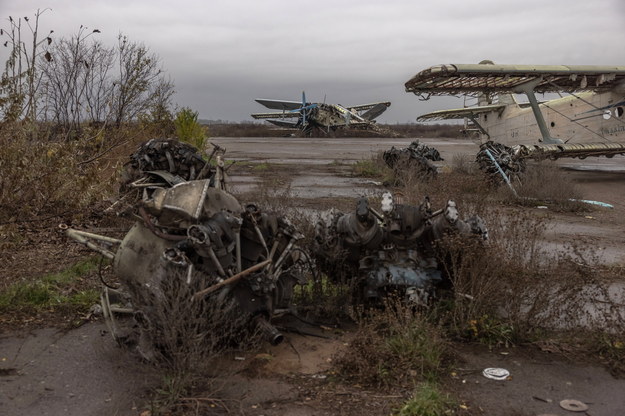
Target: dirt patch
538 382
78 372
83 371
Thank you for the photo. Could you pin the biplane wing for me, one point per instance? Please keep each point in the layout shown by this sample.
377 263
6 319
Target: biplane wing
460 113
262 116
473 79
363 107
373 110
280 104
286 124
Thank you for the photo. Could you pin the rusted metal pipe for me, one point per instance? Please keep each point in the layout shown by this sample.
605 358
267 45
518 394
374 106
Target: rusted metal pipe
270 332
83 238
231 280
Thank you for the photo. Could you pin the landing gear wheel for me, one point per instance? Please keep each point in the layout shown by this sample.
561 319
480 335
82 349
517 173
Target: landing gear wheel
505 158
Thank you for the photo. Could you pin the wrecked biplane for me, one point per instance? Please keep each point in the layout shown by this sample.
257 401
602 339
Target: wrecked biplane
307 117
588 121
189 227
392 251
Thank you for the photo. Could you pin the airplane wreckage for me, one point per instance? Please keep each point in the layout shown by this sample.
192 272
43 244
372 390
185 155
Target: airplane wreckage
189 229
588 122
324 118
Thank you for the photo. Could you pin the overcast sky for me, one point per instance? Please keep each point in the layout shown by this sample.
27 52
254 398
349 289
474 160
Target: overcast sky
221 55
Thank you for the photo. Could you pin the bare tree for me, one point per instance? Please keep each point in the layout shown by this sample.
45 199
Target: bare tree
138 70
68 79
20 80
72 80
98 86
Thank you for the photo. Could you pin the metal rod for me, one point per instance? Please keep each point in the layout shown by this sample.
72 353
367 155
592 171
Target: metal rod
76 234
82 238
528 90
238 243
501 172
215 260
231 280
261 238
284 254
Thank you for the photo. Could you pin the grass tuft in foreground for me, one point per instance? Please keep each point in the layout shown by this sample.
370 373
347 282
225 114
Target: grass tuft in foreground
428 400
394 346
52 290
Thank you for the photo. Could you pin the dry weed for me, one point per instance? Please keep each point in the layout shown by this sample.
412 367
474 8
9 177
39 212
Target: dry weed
188 338
545 183
392 347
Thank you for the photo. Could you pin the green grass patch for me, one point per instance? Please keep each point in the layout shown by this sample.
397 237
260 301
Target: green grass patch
369 168
261 167
53 289
428 400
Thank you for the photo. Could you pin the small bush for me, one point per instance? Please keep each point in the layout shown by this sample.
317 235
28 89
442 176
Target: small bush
545 183
185 337
394 346
188 129
464 164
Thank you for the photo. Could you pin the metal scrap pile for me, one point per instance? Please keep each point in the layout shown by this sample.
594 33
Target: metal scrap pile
500 163
389 251
416 157
193 229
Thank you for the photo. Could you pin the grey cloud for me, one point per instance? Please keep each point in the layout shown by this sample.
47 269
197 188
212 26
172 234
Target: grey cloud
223 54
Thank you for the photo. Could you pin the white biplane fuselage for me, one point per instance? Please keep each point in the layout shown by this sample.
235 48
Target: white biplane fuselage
589 120
586 117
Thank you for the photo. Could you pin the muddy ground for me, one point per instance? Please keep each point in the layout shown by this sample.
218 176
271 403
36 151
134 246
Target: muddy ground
52 371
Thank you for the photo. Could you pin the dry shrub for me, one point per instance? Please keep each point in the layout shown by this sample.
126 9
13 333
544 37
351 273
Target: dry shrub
184 334
489 280
187 338
469 191
545 182
46 178
394 346
464 164
514 289
373 167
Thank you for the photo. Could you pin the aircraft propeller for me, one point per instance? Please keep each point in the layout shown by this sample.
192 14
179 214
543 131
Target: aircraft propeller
303 110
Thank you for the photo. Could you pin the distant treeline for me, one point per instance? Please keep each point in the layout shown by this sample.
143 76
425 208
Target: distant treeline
228 129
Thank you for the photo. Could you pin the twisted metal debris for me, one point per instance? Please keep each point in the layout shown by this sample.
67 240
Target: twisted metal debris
378 253
416 157
190 228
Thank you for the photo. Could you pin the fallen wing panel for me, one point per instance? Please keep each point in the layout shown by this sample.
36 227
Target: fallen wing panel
373 112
